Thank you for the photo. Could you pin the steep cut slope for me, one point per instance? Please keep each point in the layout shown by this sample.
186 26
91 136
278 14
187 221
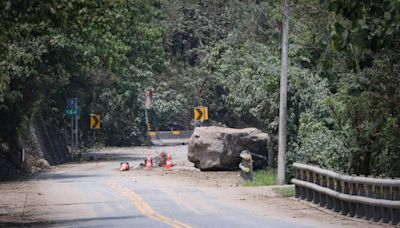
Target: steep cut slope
43 144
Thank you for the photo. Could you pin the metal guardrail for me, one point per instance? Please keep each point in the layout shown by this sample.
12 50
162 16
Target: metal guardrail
372 199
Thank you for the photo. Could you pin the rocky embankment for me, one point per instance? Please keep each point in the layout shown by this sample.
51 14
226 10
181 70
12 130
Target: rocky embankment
43 145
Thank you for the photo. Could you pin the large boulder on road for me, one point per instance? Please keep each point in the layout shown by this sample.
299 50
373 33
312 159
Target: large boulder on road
218 148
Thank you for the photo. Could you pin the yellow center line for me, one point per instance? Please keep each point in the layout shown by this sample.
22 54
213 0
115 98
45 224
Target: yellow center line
159 215
144 207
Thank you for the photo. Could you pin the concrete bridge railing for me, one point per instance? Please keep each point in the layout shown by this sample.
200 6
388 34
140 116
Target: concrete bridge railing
373 199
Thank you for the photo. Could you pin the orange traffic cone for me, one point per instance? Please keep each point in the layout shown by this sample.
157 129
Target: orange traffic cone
124 166
169 162
148 163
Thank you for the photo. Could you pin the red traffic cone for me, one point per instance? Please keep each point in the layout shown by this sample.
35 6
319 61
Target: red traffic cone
148 163
169 162
124 166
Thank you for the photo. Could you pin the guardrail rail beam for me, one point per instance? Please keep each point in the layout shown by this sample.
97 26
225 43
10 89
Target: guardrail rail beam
373 199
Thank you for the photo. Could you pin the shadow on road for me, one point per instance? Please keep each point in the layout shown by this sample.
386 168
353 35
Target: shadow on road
64 176
112 157
97 221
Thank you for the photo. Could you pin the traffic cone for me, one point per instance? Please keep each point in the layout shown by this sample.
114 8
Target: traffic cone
124 166
169 162
148 163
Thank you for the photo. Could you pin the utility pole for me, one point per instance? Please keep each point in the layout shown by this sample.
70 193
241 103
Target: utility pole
283 95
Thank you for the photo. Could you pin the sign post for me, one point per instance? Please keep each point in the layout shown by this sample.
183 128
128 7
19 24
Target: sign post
74 113
94 124
148 100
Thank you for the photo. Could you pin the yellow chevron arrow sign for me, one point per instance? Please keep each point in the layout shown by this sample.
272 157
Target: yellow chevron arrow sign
201 113
94 121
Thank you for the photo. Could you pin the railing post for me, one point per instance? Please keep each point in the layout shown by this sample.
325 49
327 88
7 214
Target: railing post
346 205
317 195
298 188
323 196
369 210
360 211
387 212
304 190
330 201
338 202
353 206
310 192
396 211
378 210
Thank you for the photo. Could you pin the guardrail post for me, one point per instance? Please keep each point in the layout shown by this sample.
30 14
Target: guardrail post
317 195
346 205
337 202
304 190
297 188
369 210
310 192
387 212
378 210
360 211
396 211
323 196
329 199
352 206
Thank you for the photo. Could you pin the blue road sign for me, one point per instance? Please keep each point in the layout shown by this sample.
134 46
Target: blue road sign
72 102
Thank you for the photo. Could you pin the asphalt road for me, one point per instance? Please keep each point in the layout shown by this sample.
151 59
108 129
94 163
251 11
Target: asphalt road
94 193
97 194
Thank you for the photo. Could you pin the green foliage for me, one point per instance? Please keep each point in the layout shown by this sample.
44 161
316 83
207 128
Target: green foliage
241 80
370 99
105 54
364 27
365 102
250 74
320 145
262 178
343 77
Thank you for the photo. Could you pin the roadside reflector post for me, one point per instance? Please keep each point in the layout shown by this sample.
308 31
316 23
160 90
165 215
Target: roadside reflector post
22 160
246 166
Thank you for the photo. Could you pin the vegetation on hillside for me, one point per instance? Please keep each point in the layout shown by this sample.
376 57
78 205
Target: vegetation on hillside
343 97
